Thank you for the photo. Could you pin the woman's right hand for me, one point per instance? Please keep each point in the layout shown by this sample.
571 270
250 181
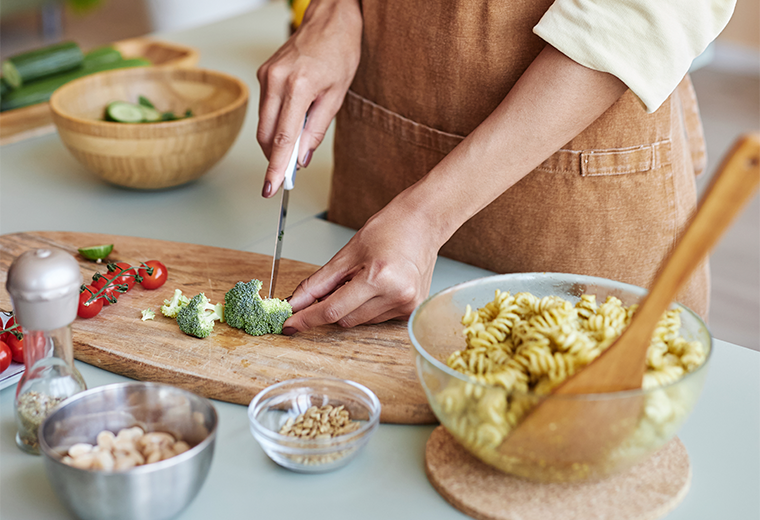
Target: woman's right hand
310 72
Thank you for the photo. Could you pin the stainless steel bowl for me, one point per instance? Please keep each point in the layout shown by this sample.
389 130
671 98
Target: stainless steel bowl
150 492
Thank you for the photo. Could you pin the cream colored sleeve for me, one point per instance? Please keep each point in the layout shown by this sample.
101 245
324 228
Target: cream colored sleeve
647 44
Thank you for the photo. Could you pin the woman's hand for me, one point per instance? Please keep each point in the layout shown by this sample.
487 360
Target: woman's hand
384 272
314 68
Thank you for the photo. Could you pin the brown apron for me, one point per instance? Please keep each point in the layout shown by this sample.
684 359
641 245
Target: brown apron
609 203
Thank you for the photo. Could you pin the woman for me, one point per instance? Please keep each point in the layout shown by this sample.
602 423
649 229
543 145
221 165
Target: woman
513 135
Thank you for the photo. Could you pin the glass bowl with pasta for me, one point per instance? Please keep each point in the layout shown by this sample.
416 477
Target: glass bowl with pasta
490 350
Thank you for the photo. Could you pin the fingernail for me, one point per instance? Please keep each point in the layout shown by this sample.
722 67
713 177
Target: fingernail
306 159
267 189
289 331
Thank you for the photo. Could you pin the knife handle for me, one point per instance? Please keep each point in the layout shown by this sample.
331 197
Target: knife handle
290 171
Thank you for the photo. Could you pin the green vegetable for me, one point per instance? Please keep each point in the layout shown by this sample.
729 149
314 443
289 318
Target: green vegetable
171 307
147 314
122 112
102 55
143 101
245 309
197 317
24 68
40 91
4 88
141 112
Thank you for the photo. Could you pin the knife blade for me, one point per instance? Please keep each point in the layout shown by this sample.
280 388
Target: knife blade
287 185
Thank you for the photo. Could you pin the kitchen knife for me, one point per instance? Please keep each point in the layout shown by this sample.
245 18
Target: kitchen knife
287 185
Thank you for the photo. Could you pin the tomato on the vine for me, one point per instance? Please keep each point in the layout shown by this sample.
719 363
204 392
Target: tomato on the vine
8 324
5 356
157 278
16 345
128 278
110 292
91 309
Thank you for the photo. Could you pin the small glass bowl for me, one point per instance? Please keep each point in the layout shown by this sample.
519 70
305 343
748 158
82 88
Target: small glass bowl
273 406
476 414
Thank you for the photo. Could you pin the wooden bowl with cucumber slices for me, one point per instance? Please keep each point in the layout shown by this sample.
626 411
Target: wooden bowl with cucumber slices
150 128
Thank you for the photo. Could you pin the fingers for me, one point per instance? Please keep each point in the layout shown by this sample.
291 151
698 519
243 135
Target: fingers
289 126
354 303
321 114
317 287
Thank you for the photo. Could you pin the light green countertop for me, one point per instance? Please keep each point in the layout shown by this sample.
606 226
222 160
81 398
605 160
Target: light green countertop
42 187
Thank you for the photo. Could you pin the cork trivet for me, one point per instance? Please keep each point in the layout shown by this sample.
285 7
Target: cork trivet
645 492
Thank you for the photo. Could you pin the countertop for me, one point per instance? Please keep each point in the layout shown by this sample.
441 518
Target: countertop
42 187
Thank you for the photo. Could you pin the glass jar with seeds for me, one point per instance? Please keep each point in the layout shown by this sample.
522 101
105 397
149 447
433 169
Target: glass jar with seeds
314 425
44 288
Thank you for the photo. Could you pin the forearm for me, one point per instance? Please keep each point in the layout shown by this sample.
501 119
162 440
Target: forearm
553 101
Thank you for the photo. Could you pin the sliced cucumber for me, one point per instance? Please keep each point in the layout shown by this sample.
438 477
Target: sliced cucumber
150 115
23 68
122 112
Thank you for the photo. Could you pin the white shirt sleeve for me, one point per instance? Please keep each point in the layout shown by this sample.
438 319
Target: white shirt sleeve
647 44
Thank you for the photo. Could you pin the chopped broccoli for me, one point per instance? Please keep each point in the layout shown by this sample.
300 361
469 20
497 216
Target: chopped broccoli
147 314
245 309
197 317
276 311
172 307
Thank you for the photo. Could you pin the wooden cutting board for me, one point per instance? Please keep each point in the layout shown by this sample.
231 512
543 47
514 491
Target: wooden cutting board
229 365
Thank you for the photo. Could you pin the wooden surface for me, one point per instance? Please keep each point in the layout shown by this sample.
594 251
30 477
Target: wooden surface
229 365
156 155
24 123
646 492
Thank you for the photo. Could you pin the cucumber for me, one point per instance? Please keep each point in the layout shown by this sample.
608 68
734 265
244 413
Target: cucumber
123 112
29 66
101 56
150 115
41 90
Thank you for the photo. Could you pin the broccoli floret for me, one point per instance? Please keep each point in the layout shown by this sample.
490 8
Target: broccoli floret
241 301
276 311
172 307
198 316
245 309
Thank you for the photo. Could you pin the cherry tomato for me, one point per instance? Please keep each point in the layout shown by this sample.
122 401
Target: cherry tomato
155 280
110 291
5 356
8 324
88 310
128 278
17 347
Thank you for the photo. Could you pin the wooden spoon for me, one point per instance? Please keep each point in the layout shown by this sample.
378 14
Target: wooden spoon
560 431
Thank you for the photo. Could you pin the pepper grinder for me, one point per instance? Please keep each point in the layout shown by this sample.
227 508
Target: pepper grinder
44 288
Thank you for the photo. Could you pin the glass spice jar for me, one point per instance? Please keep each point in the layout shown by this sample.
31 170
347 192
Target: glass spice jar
44 288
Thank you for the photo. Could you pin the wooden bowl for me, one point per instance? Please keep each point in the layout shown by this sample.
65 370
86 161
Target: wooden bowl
151 155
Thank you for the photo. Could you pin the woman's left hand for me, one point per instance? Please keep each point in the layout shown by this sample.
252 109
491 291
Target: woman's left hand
384 272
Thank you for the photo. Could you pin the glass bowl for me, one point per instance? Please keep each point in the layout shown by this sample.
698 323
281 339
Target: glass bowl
274 406
481 416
